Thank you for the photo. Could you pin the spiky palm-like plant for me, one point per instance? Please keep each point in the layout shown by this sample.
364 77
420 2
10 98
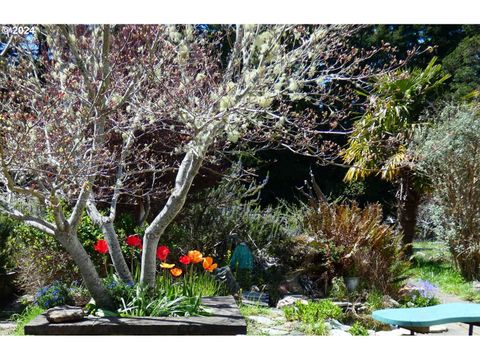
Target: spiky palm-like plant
377 145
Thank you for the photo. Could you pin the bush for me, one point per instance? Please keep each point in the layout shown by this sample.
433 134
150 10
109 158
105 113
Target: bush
449 154
41 260
211 217
419 294
313 312
6 256
354 242
53 295
357 329
214 220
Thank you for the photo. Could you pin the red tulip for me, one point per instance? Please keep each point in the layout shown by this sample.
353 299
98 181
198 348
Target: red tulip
101 246
135 241
185 260
162 253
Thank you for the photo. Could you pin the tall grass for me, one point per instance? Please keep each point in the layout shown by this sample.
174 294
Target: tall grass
25 317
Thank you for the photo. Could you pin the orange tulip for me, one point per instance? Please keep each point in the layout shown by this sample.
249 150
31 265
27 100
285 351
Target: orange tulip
165 265
208 264
195 256
176 271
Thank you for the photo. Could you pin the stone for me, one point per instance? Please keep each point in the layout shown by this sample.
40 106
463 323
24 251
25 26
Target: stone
359 307
65 313
224 319
255 298
476 285
291 299
274 332
388 302
261 320
7 325
337 332
337 325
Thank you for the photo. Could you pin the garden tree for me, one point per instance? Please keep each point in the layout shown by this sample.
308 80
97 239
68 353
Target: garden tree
62 120
448 153
109 109
464 64
442 39
247 99
378 142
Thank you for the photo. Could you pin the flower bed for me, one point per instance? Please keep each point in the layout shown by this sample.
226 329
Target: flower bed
224 319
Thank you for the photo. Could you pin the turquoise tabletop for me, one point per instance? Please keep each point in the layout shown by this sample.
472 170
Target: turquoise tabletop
431 315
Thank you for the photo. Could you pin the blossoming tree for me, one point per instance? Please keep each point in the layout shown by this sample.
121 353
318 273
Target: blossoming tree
91 114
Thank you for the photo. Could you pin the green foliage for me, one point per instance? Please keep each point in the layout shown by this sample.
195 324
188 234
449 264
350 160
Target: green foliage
338 290
378 142
313 312
171 297
319 329
449 154
27 315
464 65
446 277
416 299
229 208
357 329
355 242
6 256
253 310
374 300
53 295
41 260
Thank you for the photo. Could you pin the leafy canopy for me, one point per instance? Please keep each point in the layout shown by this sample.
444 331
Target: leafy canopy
377 144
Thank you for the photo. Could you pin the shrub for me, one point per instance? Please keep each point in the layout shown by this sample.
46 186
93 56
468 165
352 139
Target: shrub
313 311
338 289
41 260
419 293
231 207
374 300
449 154
53 295
215 219
6 256
357 329
353 241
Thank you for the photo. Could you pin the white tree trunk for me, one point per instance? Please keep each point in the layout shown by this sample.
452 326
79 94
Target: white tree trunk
187 171
116 254
89 274
114 249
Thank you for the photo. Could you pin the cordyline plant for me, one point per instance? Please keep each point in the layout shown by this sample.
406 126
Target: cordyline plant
91 114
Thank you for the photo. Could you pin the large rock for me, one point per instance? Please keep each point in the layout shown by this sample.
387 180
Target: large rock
291 299
388 302
262 320
336 325
65 313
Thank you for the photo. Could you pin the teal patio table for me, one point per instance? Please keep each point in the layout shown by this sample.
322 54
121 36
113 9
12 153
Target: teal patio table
420 319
